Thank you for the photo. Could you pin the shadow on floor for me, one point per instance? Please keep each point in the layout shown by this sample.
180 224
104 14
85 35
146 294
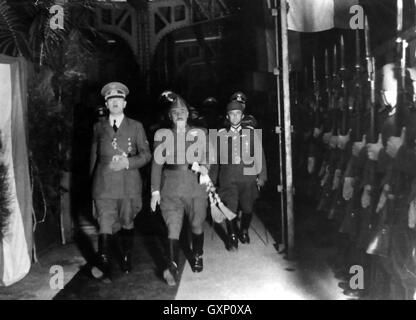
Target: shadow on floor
143 283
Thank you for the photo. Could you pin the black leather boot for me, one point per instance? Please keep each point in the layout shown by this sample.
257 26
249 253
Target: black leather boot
245 225
197 250
170 274
127 240
232 241
104 254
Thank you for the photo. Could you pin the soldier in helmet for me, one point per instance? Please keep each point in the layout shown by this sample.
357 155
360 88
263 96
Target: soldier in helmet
175 187
238 188
119 149
247 119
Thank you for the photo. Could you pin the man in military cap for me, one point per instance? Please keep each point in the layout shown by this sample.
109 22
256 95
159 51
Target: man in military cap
119 149
247 119
238 188
175 187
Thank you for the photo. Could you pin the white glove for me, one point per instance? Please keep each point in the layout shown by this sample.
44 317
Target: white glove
343 140
383 198
373 149
412 214
327 137
357 146
366 197
394 144
155 200
204 179
348 188
317 132
337 179
311 165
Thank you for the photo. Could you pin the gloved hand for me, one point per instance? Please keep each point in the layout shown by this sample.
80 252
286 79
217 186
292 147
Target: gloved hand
326 176
394 144
357 146
311 165
317 132
412 214
348 188
337 179
366 197
373 149
118 163
383 198
260 183
327 137
155 200
333 142
343 140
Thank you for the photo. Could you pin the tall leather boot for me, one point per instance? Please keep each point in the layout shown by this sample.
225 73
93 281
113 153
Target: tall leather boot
171 272
245 225
104 254
197 250
128 240
232 241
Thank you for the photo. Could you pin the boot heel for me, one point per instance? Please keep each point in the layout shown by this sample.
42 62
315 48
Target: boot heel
197 264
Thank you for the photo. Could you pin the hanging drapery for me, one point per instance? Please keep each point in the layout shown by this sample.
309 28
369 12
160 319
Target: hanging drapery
16 241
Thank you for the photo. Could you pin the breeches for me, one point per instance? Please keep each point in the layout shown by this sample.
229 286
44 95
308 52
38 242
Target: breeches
114 214
239 194
182 195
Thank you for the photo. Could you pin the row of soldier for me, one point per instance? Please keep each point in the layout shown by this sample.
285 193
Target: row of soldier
181 188
361 157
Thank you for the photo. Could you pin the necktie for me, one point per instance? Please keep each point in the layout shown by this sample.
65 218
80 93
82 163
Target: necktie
115 126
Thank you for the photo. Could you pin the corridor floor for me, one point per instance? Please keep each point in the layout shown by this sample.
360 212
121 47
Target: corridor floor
257 272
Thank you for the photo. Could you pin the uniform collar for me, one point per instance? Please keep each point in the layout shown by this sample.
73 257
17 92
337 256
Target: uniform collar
235 129
119 118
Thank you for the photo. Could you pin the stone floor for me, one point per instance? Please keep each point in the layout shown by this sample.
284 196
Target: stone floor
36 285
256 271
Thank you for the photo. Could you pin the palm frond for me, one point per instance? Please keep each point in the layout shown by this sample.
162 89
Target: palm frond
12 28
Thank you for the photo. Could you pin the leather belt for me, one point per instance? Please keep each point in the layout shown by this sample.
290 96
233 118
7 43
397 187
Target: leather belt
178 167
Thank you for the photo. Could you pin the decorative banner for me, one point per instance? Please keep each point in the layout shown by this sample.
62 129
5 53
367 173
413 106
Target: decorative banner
319 15
311 15
15 259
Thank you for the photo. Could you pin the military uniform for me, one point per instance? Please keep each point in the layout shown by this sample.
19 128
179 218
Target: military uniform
117 194
177 188
237 179
181 193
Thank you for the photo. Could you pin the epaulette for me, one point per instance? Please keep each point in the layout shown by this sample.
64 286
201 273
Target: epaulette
248 127
222 129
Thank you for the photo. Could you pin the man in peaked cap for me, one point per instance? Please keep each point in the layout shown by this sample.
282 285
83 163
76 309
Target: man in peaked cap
247 119
237 188
119 149
240 97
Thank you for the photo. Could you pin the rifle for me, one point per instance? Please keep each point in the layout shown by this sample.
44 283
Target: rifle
328 166
337 161
354 170
316 93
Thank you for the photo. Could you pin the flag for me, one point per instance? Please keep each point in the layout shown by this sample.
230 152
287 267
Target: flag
16 240
319 15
